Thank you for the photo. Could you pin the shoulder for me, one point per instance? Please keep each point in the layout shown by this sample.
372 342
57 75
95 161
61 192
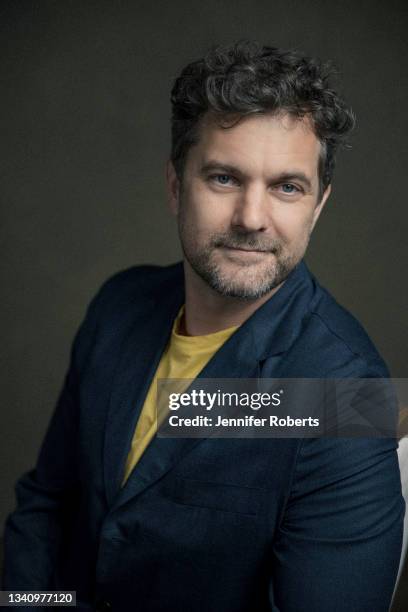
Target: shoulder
122 299
340 339
137 286
140 281
129 292
329 341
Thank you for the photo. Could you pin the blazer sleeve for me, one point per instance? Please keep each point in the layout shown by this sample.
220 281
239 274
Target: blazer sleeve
33 532
339 542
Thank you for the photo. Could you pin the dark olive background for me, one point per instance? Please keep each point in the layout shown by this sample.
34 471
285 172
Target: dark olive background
85 134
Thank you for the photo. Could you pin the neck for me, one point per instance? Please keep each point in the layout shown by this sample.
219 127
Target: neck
207 312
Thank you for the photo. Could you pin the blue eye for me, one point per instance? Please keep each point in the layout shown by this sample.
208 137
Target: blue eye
289 188
222 179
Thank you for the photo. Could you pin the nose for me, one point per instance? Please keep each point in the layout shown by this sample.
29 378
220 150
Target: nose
250 212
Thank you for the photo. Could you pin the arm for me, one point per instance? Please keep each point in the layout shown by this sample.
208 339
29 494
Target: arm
339 541
34 531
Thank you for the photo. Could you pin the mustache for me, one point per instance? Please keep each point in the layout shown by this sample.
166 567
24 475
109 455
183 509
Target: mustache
247 241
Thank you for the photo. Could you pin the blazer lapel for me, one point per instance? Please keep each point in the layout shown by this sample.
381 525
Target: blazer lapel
141 354
235 359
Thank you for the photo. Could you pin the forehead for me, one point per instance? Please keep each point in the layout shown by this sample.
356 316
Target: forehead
259 143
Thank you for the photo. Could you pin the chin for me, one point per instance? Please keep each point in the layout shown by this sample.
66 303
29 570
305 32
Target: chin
250 281
245 288
242 292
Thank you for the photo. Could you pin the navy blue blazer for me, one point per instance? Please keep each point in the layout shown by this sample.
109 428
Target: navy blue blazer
220 525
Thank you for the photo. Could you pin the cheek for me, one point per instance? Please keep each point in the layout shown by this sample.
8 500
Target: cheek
292 224
205 215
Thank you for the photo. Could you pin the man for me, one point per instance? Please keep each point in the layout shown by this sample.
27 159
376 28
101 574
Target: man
131 520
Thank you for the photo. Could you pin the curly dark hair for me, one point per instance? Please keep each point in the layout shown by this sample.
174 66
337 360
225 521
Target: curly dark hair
245 78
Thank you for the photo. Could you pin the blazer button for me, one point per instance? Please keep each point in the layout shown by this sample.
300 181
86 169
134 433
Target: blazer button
103 606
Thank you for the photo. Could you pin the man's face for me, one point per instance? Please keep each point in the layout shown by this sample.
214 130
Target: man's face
248 202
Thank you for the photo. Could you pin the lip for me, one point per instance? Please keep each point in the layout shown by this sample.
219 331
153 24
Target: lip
245 250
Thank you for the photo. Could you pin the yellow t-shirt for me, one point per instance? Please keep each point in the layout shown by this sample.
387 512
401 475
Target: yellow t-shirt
184 357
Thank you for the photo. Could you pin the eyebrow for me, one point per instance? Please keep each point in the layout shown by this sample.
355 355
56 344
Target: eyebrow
290 175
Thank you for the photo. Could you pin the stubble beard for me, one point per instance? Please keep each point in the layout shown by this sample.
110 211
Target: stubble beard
246 279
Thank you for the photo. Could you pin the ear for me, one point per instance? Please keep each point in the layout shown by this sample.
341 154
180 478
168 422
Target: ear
173 188
320 206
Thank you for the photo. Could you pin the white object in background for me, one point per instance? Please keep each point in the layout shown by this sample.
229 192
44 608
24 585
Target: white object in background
403 463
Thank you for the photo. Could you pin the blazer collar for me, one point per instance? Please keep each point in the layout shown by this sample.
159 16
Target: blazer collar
277 323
